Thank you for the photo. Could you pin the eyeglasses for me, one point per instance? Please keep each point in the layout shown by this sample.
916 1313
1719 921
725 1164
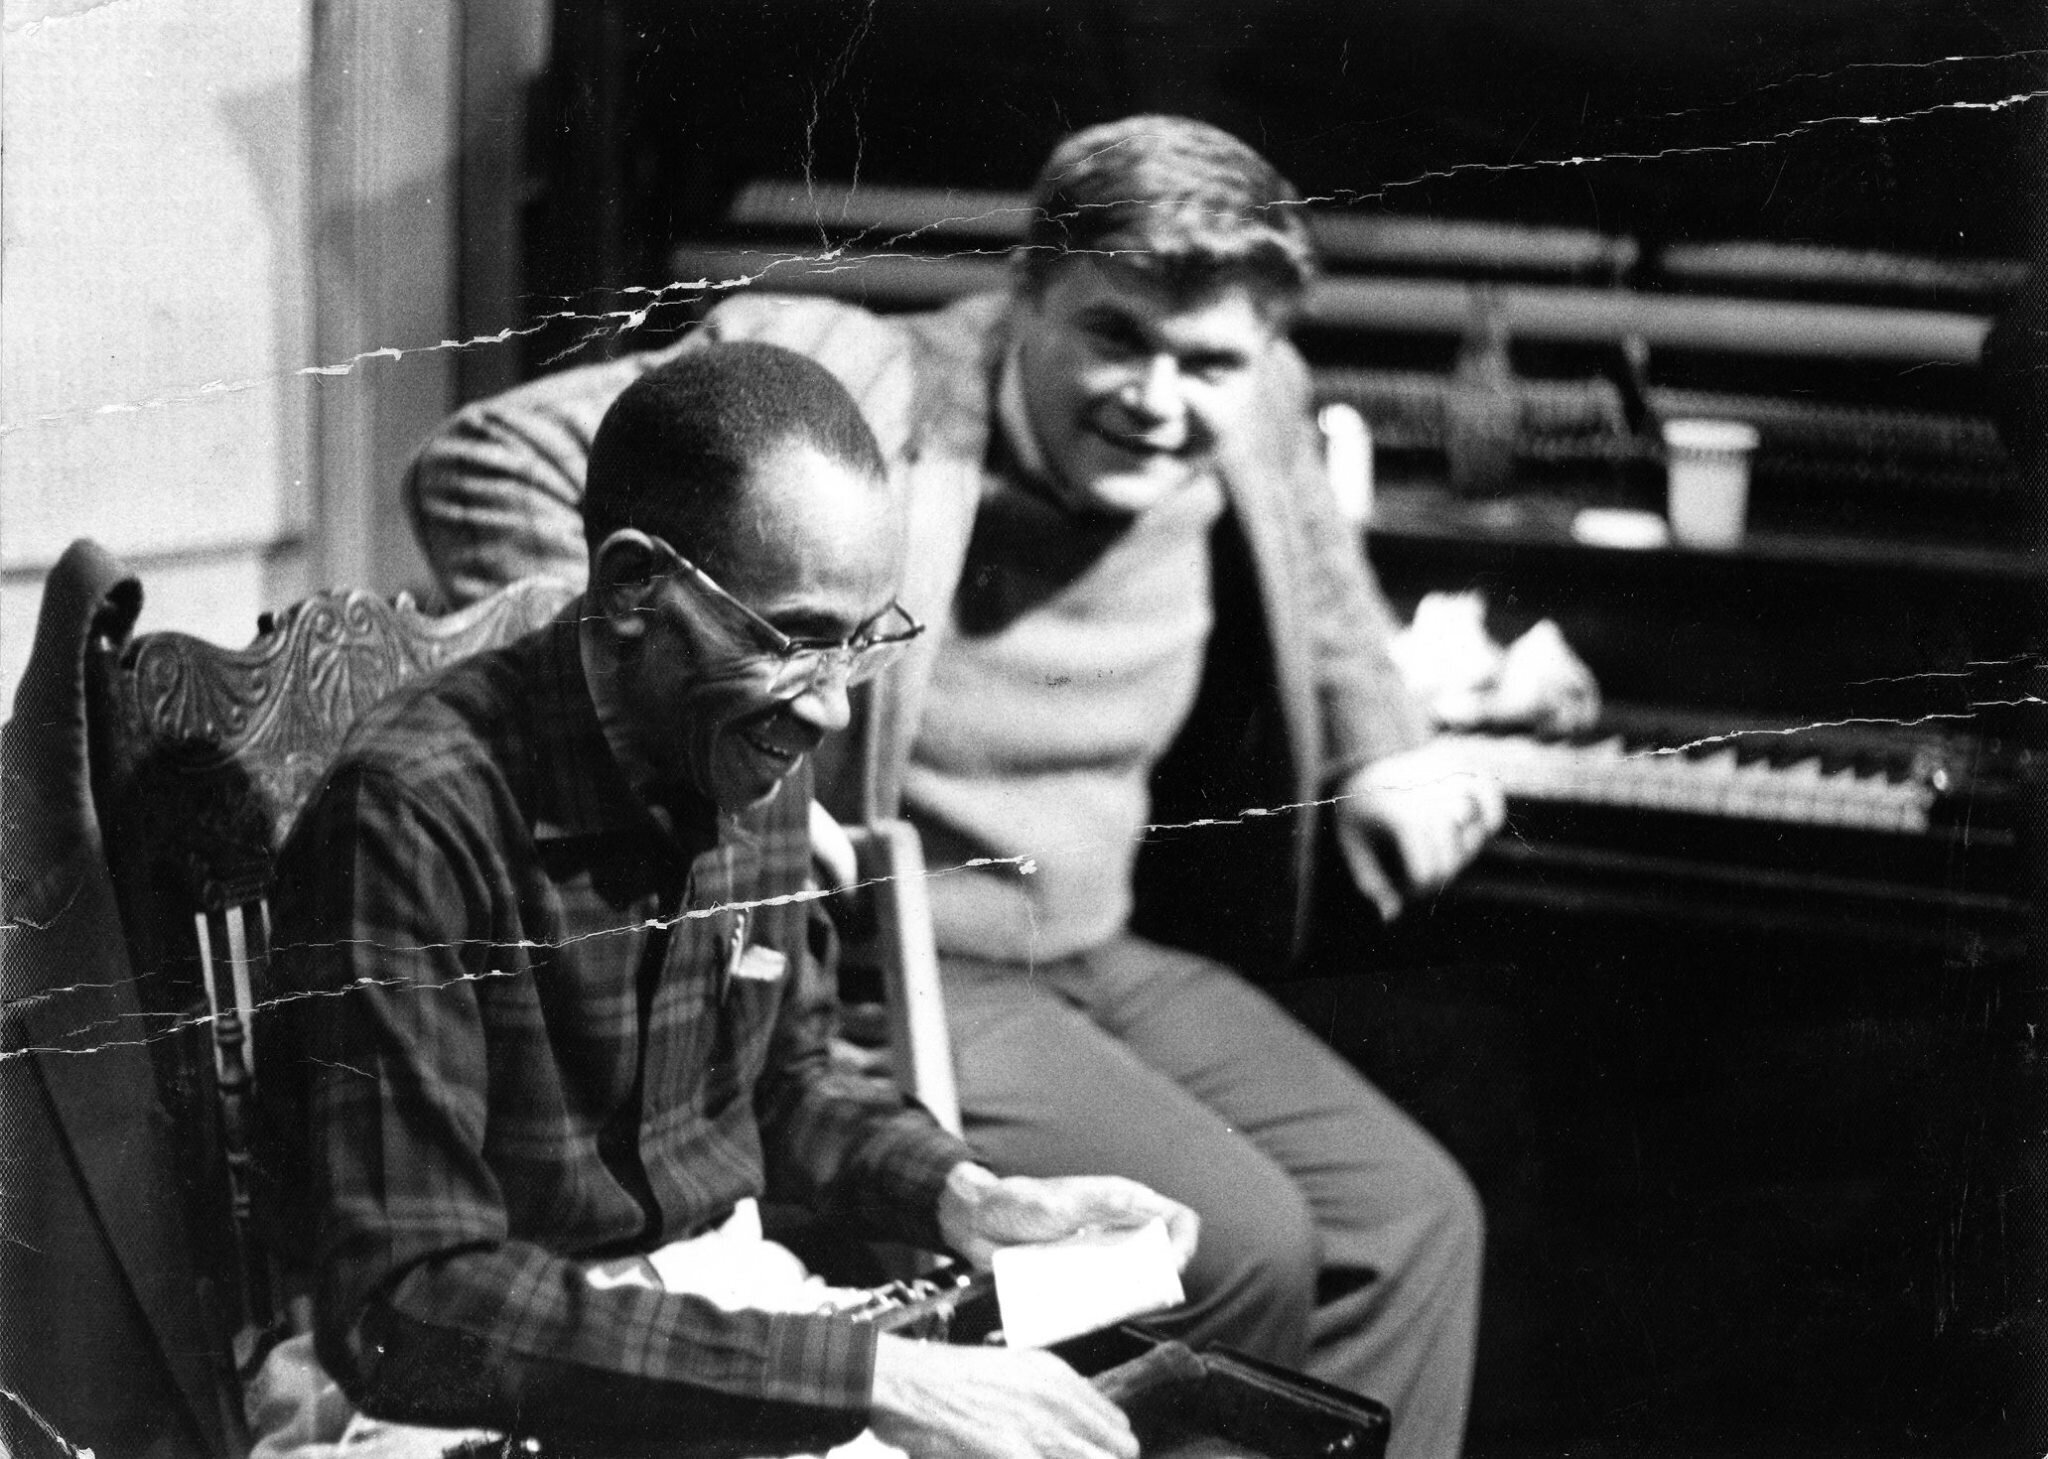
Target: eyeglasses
799 665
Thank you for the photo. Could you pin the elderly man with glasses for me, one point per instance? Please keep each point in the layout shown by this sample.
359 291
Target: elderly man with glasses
564 1022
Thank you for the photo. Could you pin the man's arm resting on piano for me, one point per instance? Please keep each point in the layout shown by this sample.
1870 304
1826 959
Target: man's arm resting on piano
1407 824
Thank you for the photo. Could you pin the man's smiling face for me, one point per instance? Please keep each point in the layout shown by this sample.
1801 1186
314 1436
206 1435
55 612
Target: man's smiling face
820 558
1127 387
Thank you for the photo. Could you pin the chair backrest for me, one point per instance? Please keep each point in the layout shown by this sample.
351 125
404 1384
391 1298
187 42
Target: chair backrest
202 757
890 861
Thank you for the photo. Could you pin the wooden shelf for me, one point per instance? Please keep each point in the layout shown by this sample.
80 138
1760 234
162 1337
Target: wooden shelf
1428 515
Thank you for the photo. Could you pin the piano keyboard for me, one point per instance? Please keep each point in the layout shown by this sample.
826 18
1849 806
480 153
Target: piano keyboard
1738 778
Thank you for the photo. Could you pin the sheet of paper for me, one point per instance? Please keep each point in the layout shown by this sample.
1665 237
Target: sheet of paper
1060 1289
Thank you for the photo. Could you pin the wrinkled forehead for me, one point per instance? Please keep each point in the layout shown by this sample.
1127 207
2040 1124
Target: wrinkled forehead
808 522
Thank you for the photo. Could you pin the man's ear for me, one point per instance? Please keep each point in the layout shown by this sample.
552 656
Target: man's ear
625 571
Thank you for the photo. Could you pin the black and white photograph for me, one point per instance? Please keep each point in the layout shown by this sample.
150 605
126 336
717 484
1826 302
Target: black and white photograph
1023 729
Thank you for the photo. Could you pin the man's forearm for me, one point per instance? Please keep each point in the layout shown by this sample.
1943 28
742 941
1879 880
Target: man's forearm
512 1339
881 1166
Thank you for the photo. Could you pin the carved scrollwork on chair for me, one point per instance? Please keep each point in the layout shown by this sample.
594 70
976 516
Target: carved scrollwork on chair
281 706
203 757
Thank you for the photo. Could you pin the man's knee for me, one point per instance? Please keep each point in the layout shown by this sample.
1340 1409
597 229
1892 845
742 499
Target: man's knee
1454 1215
1407 1213
1259 1248
1464 1214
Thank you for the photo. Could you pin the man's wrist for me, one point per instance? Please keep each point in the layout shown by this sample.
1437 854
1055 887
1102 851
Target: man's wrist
960 1202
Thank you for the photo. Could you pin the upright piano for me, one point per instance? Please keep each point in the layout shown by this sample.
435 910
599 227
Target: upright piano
1838 708
1737 1023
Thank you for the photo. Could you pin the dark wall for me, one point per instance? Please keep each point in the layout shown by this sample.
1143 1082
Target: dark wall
657 112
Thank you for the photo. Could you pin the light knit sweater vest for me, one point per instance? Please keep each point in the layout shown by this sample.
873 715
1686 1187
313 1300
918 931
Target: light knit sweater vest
1071 660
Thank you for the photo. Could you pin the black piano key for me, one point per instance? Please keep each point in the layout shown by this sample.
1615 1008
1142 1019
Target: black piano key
1783 751
1749 749
1834 760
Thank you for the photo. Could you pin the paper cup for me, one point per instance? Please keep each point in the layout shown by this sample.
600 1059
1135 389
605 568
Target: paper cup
1708 465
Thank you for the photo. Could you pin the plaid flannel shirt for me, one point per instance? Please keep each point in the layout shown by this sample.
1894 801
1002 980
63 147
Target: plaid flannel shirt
517 1073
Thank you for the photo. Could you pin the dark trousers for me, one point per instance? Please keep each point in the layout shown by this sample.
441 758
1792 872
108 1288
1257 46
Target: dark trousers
1337 1237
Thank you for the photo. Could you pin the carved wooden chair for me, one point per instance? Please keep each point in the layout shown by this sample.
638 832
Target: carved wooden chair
201 759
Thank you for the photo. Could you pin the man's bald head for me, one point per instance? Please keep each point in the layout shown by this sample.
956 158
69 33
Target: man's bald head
755 465
675 453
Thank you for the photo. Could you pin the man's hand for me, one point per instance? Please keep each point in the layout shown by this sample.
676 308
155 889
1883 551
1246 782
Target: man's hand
979 1211
1409 823
939 1402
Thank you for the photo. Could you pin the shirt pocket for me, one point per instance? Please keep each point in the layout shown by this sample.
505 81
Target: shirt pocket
752 1002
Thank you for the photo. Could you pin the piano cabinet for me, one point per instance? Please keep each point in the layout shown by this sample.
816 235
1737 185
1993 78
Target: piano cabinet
1738 1030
